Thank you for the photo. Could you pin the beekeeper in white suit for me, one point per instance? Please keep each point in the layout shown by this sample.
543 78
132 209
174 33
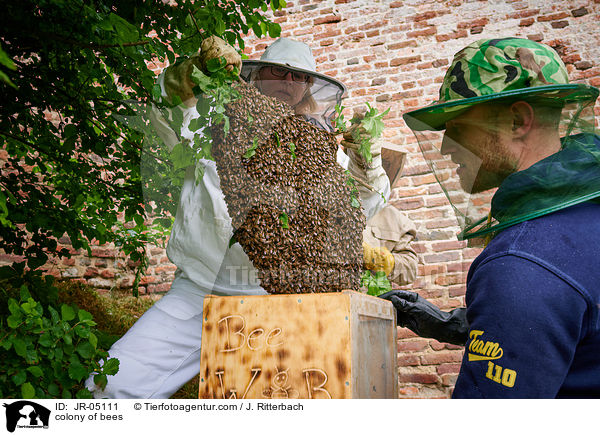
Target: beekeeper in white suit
161 352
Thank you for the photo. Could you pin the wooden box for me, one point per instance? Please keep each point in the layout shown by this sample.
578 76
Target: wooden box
318 345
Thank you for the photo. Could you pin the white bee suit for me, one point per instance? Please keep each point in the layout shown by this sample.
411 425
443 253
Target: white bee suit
161 351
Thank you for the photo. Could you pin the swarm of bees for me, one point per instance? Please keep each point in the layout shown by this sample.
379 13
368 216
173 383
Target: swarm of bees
288 198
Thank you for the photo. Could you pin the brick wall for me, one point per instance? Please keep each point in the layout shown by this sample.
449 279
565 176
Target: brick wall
393 54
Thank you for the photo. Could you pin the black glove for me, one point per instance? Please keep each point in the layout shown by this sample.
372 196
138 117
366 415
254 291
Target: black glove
425 319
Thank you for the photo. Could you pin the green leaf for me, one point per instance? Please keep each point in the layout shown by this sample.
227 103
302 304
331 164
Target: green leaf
93 340
157 93
20 347
200 79
84 316
181 156
101 381
292 146
27 391
219 26
67 313
216 64
6 344
24 293
68 339
77 371
14 321
19 378
46 340
252 150
7 61
274 30
111 367
53 390
203 107
284 220
36 371
14 307
85 349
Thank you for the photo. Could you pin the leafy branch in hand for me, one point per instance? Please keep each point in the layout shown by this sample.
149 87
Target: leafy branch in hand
365 129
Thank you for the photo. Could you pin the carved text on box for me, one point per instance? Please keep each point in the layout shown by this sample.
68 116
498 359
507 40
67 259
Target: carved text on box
283 384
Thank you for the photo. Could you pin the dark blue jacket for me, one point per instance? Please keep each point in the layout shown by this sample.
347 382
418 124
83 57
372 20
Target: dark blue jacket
533 304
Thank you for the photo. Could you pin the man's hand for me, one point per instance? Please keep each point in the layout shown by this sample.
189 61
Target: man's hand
425 319
378 259
177 79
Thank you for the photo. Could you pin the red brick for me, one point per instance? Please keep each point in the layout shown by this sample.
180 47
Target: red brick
404 60
458 267
424 16
410 204
480 22
90 272
447 246
408 360
408 391
447 280
441 258
412 346
437 358
105 253
449 379
159 288
425 32
107 274
68 261
526 22
446 368
524 14
583 65
579 12
418 378
405 333
441 223
454 35
559 24
374 25
571 58
328 34
553 17
402 44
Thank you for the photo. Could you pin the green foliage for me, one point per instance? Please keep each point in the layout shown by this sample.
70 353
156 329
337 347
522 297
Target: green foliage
365 128
284 220
252 150
376 283
354 194
73 77
292 147
49 349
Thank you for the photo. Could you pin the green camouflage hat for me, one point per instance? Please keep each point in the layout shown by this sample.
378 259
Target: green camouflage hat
492 69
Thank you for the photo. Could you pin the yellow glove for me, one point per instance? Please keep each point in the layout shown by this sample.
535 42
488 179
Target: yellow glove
177 77
378 259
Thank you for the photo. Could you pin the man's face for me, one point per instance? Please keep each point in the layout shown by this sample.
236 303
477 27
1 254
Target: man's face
284 84
478 142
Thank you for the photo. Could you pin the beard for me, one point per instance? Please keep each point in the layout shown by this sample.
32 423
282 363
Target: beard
494 164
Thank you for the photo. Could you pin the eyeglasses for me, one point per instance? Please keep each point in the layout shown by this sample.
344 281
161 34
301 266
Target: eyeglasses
281 72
